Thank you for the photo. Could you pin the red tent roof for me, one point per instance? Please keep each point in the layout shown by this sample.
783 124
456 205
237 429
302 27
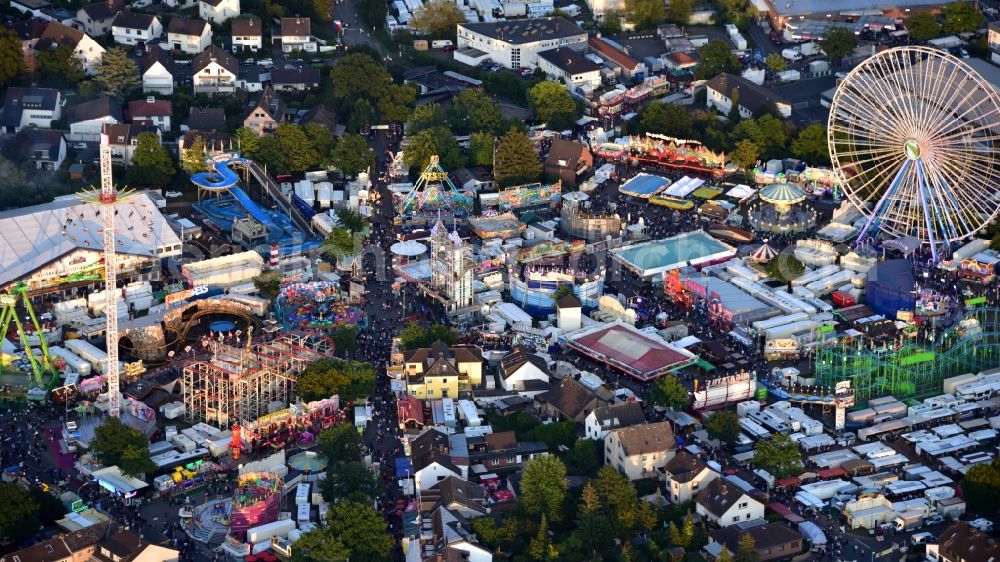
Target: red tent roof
830 473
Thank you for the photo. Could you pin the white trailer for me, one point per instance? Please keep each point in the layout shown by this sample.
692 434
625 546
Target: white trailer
302 493
73 362
754 430
268 531
88 352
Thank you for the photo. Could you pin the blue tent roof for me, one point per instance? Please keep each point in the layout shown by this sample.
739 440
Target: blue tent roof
404 467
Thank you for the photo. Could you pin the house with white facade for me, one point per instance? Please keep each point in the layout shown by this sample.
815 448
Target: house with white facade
295 34
30 107
87 119
95 19
123 139
639 451
601 7
214 71
132 28
602 421
516 43
685 475
750 96
725 504
48 148
432 462
450 539
188 35
247 34
157 69
570 67
524 372
218 11
84 47
151 111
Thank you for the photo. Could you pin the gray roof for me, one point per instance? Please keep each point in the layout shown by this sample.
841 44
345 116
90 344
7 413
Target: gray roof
156 55
684 467
102 10
186 26
805 7
94 109
752 96
45 142
527 31
623 414
215 53
568 60
133 20
719 496
56 34
17 99
32 237
305 76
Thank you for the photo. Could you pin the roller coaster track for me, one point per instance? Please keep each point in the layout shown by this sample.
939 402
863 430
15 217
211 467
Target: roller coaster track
176 323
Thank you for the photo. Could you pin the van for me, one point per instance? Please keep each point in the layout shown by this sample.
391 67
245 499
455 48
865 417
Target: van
441 43
920 538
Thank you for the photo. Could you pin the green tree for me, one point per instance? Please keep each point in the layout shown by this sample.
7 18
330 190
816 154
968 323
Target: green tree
745 154
60 65
350 380
193 158
481 149
778 455
838 43
550 100
288 150
359 75
679 11
645 14
769 133
725 556
923 26
563 291
415 335
352 155
339 443
11 56
723 425
151 163
321 140
543 487
345 339
323 9
555 434
320 545
268 283
687 532
592 523
785 267
472 111
716 57
395 102
811 145
115 442
427 116
619 501
437 141
666 119
117 74
585 458
981 487
50 509
669 392
437 19
13 184
350 481
541 548
516 160
611 23
136 461
362 530
372 12
746 551
362 115
675 536
775 62
960 17
247 142
19 516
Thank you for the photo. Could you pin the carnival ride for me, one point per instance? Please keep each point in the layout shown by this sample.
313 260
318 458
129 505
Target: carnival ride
43 373
659 152
914 133
317 305
911 369
290 228
434 196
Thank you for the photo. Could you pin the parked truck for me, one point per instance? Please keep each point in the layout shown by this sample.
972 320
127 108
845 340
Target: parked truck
908 520
809 49
791 54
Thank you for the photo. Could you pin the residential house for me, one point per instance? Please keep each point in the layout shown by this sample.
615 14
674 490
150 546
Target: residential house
133 28
75 546
601 421
319 114
724 504
151 111
685 475
451 540
213 71
218 11
516 44
86 119
616 58
295 79
158 71
295 34
205 119
30 107
431 460
569 160
215 142
95 19
266 113
773 540
252 78
680 61
751 97
125 546
640 451
440 371
86 49
34 8
570 67
501 452
993 41
48 148
476 179
188 35
569 400
247 34
962 542
123 140
456 495
524 372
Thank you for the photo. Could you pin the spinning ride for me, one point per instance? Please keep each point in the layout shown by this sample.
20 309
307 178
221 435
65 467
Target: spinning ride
318 304
915 135
434 196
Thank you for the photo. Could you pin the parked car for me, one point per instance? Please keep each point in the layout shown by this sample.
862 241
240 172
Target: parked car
172 194
266 63
934 520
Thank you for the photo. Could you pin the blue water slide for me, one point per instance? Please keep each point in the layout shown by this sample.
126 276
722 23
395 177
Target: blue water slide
225 178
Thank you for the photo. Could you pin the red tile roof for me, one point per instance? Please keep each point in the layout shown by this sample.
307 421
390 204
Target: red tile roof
146 108
607 51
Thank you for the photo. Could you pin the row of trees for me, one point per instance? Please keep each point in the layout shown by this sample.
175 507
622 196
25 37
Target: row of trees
116 75
25 511
359 76
292 149
350 380
956 17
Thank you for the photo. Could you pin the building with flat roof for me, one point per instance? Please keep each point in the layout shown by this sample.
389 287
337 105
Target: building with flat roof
570 67
655 257
781 11
516 43
630 350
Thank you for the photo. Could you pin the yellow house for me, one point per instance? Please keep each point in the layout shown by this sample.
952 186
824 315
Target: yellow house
440 371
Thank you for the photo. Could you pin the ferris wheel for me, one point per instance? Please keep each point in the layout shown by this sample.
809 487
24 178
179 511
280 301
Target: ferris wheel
914 136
